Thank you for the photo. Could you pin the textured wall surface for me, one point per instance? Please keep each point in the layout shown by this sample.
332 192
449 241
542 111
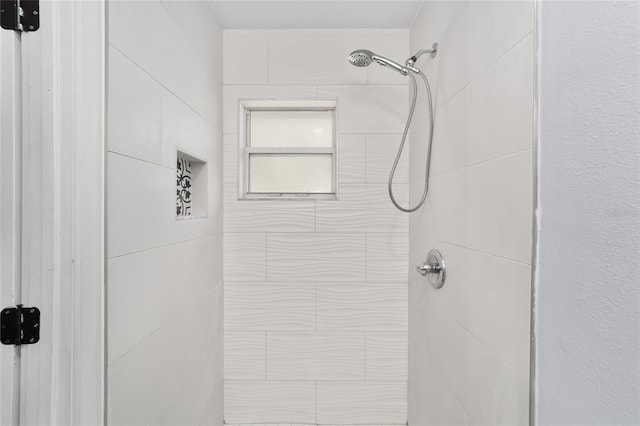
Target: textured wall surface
588 289
164 285
469 341
316 291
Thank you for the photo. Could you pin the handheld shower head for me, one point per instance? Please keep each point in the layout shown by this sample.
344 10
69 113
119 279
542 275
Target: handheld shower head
361 58
364 58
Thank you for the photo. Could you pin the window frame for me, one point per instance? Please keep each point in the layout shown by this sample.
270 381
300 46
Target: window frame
246 150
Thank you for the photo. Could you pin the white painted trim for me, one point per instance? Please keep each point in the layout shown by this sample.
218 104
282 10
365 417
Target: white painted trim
245 150
63 378
289 104
10 227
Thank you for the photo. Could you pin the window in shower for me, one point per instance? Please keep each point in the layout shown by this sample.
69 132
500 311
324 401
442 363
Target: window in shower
289 149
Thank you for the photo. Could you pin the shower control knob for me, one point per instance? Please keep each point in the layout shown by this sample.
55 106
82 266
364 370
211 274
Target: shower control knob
433 268
426 269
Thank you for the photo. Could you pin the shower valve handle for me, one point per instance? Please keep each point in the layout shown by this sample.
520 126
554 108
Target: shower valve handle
426 269
433 268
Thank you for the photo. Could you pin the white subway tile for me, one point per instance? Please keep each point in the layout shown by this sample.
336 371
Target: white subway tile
351 158
490 390
487 207
268 306
370 307
271 402
358 403
387 257
159 48
244 257
381 153
501 103
387 356
369 108
230 192
197 21
320 58
134 117
496 110
362 208
184 129
315 356
434 19
267 215
246 58
244 355
452 138
321 257
430 399
463 49
481 304
201 395
146 287
156 369
230 161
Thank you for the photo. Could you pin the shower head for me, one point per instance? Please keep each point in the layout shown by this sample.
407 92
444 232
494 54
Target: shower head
363 58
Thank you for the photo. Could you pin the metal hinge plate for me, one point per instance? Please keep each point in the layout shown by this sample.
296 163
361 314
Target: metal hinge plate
19 325
20 15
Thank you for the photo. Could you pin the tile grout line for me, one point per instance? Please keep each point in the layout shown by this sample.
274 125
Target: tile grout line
482 162
366 159
133 157
483 71
152 333
266 256
265 355
324 85
198 113
163 246
268 61
365 357
366 258
484 253
488 348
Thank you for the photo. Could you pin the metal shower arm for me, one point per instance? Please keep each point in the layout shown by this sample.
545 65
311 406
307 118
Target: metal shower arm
433 51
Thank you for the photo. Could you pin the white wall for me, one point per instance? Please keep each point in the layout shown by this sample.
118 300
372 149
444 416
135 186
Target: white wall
469 341
164 285
316 291
588 281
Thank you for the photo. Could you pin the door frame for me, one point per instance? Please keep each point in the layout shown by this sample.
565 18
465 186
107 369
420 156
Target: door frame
63 220
10 228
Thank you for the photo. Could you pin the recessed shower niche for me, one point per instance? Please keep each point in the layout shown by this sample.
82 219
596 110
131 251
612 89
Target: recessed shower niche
191 186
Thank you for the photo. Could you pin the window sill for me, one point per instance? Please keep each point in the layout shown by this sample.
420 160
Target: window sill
288 197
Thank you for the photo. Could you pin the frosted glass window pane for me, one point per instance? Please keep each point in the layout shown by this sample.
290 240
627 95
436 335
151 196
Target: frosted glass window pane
291 173
306 129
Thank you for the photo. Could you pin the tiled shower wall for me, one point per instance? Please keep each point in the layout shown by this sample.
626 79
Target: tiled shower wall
469 341
316 291
164 283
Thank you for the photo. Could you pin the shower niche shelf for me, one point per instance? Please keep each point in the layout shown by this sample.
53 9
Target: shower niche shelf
191 186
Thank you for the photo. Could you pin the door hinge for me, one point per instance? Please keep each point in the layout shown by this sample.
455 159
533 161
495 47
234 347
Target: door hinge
19 325
20 15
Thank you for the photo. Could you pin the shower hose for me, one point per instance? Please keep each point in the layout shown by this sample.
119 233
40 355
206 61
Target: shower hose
404 138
